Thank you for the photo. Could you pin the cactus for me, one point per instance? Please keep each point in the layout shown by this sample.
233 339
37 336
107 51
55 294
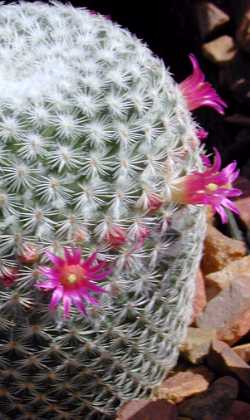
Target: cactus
94 132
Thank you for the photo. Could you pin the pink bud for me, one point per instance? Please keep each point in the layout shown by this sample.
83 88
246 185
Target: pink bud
9 278
29 254
116 236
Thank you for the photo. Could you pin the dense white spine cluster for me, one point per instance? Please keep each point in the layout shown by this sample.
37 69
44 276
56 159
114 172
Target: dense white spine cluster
93 132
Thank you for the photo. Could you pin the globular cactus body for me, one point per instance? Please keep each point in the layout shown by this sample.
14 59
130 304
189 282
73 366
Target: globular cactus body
93 133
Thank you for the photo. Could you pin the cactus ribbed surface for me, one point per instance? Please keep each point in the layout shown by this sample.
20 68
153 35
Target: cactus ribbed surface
93 131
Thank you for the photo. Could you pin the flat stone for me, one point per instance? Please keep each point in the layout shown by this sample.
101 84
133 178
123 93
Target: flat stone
184 384
243 205
239 410
147 410
243 351
224 360
200 298
213 403
225 311
220 250
236 329
210 18
197 344
221 50
216 282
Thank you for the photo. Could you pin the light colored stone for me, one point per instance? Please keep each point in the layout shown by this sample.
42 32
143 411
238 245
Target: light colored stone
224 360
225 311
220 250
147 410
197 344
184 384
200 299
221 50
243 351
210 18
216 282
213 403
236 329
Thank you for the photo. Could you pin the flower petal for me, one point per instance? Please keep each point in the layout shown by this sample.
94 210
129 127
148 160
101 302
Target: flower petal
66 305
198 92
54 259
56 297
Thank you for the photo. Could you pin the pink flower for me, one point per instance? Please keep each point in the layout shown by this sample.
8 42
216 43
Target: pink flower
116 236
205 160
201 134
73 280
198 92
212 187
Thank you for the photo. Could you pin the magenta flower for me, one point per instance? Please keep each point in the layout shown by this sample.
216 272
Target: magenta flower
201 134
212 187
198 92
73 280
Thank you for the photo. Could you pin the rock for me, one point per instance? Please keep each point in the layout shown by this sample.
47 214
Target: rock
239 410
221 50
220 250
147 410
224 312
243 351
235 77
197 344
213 403
243 184
243 32
236 329
184 384
238 119
243 205
210 18
225 361
216 282
200 298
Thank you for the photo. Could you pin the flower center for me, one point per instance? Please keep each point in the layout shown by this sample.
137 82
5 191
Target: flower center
72 278
72 274
212 187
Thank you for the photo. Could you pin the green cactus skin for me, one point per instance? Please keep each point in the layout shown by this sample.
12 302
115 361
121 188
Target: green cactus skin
91 124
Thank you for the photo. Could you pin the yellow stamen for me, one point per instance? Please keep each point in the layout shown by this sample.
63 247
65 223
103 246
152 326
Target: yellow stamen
72 278
212 187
